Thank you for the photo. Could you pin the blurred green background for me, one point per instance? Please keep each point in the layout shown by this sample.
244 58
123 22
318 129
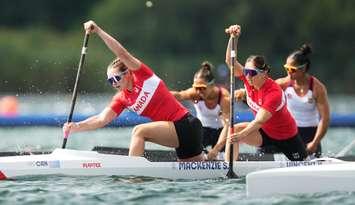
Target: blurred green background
40 40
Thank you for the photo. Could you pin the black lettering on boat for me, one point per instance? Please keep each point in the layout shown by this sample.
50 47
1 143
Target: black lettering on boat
302 163
208 165
41 163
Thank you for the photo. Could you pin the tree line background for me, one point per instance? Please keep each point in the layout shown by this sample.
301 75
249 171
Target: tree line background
40 40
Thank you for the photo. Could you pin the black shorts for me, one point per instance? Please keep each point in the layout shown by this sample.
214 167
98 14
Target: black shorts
188 130
293 148
307 135
210 136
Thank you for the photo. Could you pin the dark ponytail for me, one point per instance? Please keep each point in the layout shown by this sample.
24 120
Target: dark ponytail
259 62
205 72
301 56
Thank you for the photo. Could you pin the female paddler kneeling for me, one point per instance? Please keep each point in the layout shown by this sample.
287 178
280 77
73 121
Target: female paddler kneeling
273 123
143 92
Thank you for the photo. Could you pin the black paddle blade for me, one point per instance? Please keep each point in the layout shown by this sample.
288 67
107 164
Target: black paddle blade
231 174
64 143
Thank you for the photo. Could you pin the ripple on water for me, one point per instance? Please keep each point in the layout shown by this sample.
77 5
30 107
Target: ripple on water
144 190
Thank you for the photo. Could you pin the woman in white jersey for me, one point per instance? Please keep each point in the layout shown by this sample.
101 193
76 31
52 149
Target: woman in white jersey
211 103
306 99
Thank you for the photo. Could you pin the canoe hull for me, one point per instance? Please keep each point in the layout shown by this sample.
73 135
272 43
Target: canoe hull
91 163
302 180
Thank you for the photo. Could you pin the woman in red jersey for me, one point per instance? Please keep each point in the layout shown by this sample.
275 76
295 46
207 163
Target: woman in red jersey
141 91
273 123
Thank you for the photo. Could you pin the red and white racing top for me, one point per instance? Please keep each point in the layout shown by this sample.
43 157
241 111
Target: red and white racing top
149 98
271 98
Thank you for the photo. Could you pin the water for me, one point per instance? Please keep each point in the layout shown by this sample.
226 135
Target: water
134 190
138 190
116 190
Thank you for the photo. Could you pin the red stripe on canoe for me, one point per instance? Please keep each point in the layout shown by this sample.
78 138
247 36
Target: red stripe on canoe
2 176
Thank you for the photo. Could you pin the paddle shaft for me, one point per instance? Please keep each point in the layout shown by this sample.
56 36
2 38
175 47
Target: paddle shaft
231 173
75 90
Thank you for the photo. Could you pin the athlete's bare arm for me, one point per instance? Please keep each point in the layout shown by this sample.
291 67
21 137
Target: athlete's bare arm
129 60
235 32
225 109
212 154
324 112
187 94
94 122
261 117
283 82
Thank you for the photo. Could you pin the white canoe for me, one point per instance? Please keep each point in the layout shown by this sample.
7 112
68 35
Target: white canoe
299 180
91 163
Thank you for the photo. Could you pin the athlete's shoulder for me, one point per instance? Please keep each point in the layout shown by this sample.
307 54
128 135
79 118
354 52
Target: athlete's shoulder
319 87
317 82
224 91
143 70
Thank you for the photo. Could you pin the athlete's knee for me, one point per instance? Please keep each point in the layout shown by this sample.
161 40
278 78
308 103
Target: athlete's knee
138 131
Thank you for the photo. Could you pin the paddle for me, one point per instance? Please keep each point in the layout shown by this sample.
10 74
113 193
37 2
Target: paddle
230 173
81 62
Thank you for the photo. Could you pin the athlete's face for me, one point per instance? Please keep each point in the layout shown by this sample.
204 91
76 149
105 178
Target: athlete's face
117 78
202 88
256 79
293 70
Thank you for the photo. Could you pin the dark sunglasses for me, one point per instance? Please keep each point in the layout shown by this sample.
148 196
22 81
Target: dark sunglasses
116 78
252 72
